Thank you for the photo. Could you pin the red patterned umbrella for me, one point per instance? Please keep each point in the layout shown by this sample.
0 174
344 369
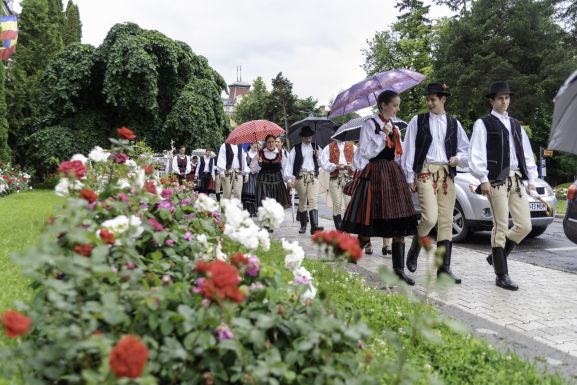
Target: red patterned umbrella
253 131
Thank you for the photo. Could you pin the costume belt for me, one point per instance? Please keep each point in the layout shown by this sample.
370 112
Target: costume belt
232 174
436 172
342 179
307 176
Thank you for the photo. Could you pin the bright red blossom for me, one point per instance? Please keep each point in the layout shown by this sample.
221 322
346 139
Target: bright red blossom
221 281
107 236
148 170
128 358
72 168
125 133
15 323
89 195
342 243
84 249
426 242
150 187
238 259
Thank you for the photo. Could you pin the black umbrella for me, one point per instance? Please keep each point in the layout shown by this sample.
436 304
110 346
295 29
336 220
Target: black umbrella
351 130
322 126
563 133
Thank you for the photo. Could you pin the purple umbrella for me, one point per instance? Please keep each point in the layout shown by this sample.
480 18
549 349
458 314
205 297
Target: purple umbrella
364 93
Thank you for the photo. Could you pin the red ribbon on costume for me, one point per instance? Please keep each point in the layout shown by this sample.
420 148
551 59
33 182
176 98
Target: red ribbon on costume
396 136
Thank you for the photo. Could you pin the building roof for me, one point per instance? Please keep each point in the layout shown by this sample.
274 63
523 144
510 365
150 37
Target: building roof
239 84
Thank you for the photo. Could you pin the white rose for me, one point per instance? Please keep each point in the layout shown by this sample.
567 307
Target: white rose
98 154
63 188
303 274
271 213
123 183
309 294
79 157
205 203
234 214
264 238
295 255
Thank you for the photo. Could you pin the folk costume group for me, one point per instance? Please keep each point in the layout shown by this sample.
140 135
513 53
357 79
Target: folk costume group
373 181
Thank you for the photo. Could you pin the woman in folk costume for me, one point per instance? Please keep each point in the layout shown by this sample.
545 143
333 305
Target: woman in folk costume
181 165
381 204
269 165
248 197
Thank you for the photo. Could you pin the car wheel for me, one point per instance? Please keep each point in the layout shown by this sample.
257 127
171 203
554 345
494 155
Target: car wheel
460 226
536 231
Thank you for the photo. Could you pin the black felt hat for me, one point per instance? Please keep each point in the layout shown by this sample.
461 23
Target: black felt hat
437 88
306 131
499 87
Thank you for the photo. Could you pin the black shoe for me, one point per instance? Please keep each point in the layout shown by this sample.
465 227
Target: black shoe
505 282
398 253
337 219
386 250
413 254
303 219
314 216
509 246
369 248
501 270
445 267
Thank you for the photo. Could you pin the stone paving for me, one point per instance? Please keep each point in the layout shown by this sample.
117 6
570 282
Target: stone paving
543 309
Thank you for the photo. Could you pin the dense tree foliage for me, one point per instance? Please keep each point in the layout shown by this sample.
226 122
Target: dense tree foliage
5 153
72 27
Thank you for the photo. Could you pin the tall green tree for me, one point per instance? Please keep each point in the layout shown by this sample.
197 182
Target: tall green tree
406 44
460 6
516 40
39 39
72 27
282 102
253 105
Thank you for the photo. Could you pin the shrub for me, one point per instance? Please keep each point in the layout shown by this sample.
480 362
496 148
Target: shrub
13 179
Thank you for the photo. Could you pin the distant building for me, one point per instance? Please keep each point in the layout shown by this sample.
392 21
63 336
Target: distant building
236 91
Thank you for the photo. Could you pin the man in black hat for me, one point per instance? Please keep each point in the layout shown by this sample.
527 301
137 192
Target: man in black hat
303 165
500 156
435 144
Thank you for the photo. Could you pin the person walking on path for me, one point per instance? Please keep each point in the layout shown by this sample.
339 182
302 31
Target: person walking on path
181 165
233 169
500 156
204 173
268 165
337 160
249 188
435 144
303 166
381 204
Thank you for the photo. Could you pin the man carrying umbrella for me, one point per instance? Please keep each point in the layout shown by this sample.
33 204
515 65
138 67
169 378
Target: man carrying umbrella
435 143
500 156
337 159
233 170
303 166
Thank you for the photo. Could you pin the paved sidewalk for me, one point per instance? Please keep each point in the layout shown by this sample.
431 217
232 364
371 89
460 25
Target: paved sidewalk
544 309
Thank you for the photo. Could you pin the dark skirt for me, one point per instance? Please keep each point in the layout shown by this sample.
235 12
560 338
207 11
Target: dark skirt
271 185
204 183
381 204
249 190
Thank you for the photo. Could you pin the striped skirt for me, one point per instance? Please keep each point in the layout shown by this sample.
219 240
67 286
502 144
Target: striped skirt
271 185
249 189
381 204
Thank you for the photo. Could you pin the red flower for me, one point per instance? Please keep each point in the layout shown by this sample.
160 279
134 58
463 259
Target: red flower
150 187
72 168
156 226
221 281
83 249
148 170
89 195
15 323
238 259
107 236
125 133
128 358
120 158
426 242
342 244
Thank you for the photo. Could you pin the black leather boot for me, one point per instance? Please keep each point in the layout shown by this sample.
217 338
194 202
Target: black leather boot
303 219
338 220
314 215
413 254
501 270
445 268
509 246
398 252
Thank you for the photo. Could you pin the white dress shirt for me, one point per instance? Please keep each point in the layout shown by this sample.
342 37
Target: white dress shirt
308 162
175 168
437 153
270 155
326 157
221 163
207 167
478 150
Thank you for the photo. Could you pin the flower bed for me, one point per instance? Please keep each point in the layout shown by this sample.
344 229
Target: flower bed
135 279
13 179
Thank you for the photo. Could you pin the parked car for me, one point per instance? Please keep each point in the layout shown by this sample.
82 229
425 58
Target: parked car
570 220
473 212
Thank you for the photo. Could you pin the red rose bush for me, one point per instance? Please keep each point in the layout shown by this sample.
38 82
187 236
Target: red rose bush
137 278
339 245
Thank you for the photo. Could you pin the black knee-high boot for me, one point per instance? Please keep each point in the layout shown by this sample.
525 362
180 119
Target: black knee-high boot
338 220
303 219
501 270
445 267
413 254
509 246
398 252
314 215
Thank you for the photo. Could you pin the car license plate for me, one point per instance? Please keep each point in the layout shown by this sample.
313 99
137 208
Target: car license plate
537 206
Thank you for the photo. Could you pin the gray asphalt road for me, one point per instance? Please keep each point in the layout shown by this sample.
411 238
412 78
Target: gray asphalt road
552 249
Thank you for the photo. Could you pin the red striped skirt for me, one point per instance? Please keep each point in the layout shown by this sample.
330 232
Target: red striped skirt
381 204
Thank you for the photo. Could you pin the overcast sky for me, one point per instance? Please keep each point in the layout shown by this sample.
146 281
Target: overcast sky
316 44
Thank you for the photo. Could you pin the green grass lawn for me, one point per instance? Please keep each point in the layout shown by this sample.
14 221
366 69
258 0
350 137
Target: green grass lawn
456 358
22 217
561 206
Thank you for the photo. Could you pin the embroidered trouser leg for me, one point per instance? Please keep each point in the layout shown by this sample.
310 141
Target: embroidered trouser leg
307 186
436 191
336 186
509 197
